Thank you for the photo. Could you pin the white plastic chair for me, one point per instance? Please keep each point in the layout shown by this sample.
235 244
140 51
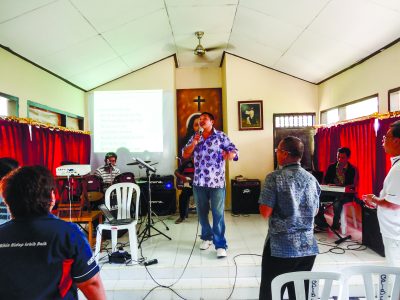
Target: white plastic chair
316 280
379 282
343 216
124 192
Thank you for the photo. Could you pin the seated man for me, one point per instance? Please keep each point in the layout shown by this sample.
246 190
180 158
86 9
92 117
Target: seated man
340 173
43 256
184 174
109 171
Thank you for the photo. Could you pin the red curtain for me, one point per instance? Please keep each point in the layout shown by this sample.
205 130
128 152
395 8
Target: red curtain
15 141
51 147
382 159
360 138
327 141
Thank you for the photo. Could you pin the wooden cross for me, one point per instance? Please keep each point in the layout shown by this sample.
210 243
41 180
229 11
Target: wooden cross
198 101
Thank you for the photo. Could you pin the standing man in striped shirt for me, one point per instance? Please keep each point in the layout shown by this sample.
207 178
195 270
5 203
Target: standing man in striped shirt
109 171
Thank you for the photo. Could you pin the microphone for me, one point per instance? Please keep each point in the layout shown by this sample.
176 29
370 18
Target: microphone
201 129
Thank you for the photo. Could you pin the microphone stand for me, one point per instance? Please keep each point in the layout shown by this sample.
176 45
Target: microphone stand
146 233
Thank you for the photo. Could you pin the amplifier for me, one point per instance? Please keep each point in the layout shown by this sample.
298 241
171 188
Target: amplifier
371 234
163 195
245 194
165 182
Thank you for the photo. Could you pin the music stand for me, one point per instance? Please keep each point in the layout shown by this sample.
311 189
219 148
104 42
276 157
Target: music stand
146 233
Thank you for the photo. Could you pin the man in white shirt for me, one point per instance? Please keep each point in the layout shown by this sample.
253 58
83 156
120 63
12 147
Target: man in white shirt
388 202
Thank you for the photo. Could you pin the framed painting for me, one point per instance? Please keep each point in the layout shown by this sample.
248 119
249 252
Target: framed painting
250 115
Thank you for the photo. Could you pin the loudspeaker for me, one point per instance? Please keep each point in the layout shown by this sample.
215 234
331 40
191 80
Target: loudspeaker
163 202
371 235
245 196
163 195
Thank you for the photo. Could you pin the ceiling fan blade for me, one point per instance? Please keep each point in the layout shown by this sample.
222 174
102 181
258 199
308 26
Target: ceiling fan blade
203 58
221 47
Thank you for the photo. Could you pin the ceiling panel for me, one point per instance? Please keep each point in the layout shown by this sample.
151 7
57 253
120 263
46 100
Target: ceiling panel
326 53
267 30
106 15
210 19
90 42
147 55
359 23
299 67
10 9
252 50
109 71
46 30
79 57
140 32
298 13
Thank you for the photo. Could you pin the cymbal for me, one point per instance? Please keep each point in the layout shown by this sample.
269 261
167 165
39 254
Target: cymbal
136 163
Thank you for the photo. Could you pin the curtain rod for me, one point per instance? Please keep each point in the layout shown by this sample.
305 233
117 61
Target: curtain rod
32 122
372 116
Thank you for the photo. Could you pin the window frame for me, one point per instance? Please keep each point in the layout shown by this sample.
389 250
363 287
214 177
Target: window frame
63 114
342 107
390 92
14 99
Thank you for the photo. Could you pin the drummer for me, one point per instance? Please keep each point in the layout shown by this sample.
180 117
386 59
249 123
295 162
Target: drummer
108 171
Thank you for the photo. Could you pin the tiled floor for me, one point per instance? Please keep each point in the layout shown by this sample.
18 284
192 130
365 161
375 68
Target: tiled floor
196 274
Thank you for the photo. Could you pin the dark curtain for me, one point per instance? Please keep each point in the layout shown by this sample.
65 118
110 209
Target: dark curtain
382 159
15 141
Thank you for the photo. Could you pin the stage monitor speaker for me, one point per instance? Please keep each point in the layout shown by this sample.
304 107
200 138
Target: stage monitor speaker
371 235
163 195
245 196
163 202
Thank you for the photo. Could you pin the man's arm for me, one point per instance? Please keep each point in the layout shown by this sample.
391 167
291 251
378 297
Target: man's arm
93 288
265 211
371 199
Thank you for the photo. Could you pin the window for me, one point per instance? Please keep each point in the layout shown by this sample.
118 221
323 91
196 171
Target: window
394 99
8 105
294 120
353 110
53 116
296 124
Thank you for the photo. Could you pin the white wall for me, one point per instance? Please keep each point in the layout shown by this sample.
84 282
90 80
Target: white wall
374 76
157 76
198 78
27 82
280 93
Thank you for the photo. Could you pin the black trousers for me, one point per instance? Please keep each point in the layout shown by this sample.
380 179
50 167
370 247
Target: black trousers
273 266
184 202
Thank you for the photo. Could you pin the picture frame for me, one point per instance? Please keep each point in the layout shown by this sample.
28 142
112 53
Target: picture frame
250 115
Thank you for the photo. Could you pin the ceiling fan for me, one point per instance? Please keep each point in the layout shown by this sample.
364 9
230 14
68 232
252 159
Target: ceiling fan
200 50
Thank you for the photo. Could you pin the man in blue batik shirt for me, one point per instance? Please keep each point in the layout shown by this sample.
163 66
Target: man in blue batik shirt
210 148
290 200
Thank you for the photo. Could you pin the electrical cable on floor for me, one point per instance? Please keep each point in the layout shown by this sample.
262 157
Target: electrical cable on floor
336 249
179 278
234 260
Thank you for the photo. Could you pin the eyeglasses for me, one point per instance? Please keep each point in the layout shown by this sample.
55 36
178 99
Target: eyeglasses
279 149
385 137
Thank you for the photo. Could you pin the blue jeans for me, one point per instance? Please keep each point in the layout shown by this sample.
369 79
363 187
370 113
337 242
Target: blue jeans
216 196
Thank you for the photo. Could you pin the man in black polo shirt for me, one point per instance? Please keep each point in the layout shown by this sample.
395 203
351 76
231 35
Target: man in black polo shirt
340 173
43 257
